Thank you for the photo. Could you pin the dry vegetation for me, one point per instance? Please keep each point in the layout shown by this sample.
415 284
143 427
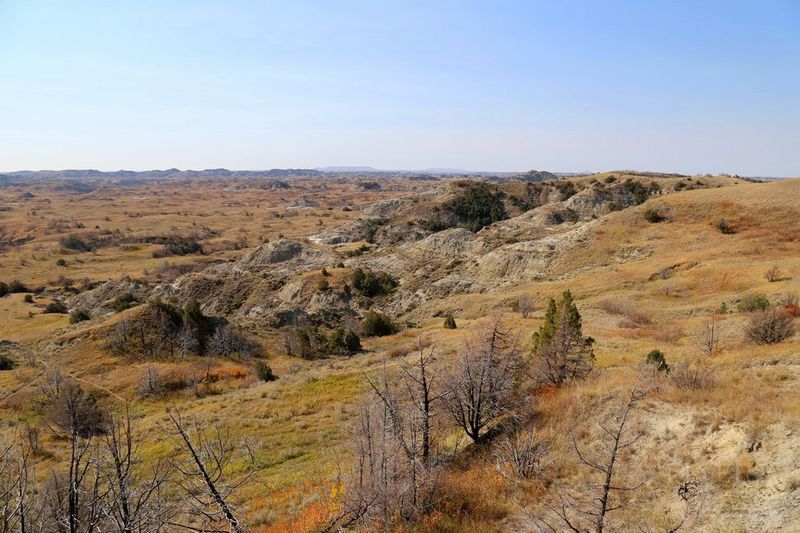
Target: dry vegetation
390 435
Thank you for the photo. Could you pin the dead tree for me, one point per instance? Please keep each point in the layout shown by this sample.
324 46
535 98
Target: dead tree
17 485
408 406
377 486
202 476
592 515
480 390
78 498
420 378
525 305
135 502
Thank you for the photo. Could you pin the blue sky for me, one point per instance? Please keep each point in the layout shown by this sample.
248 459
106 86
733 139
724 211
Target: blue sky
689 86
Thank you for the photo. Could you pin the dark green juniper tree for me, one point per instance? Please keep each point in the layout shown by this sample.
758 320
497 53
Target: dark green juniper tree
560 351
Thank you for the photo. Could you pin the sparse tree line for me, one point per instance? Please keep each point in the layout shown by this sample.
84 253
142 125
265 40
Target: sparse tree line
162 329
399 437
407 431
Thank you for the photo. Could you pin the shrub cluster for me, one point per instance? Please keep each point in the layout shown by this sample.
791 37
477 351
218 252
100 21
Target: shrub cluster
476 206
753 302
653 216
370 283
377 324
12 287
79 315
311 343
163 329
56 306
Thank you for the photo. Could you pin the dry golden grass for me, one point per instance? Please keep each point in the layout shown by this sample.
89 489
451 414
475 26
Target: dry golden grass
298 424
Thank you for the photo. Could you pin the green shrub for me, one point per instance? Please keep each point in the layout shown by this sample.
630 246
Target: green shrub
194 316
123 302
61 262
377 324
653 216
6 363
449 321
476 206
724 227
79 315
73 242
753 302
17 286
28 299
264 372
341 342
566 189
323 285
657 359
56 306
370 283
639 192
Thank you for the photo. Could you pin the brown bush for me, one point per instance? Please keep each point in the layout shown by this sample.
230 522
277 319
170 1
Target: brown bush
770 327
693 373
633 317
773 274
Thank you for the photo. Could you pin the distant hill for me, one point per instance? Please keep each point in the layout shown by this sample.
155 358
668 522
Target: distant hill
172 173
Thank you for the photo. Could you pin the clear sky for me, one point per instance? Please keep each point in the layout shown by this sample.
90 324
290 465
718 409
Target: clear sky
689 86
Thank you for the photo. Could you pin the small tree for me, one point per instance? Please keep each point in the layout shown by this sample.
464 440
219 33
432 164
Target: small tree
525 305
770 327
482 384
346 343
657 360
449 321
724 227
653 216
560 351
377 324
6 363
264 372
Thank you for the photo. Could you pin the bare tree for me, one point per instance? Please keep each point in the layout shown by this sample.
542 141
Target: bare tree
135 501
377 486
19 510
697 371
578 514
707 340
525 305
481 388
203 476
78 497
408 401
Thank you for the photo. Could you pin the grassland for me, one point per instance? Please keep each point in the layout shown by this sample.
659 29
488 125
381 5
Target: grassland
639 286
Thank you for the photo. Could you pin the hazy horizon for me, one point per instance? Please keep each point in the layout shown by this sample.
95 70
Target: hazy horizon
512 86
